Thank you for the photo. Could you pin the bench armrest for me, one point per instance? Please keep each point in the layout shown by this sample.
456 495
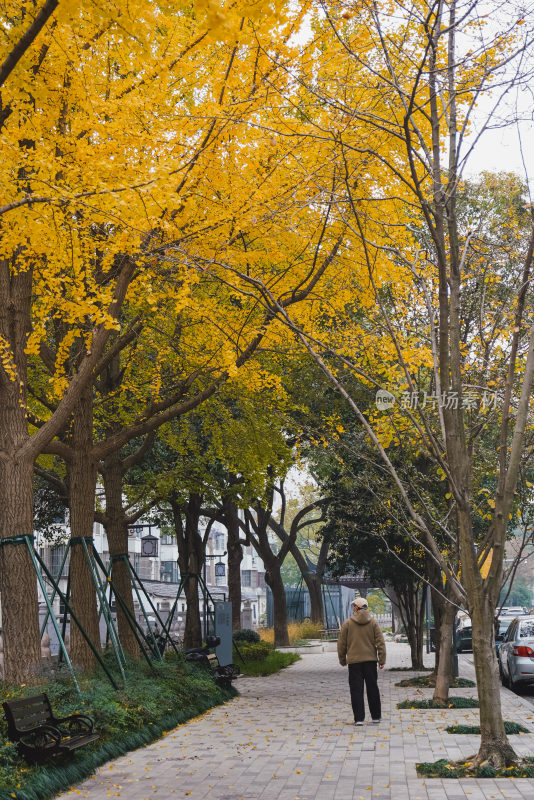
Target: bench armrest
42 739
77 722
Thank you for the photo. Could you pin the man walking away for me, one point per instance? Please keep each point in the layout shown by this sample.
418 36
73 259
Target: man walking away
361 645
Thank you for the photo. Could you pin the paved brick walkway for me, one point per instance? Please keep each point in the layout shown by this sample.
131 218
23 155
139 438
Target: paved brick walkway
289 737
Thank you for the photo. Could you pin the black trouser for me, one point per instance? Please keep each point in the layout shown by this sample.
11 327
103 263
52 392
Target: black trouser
364 671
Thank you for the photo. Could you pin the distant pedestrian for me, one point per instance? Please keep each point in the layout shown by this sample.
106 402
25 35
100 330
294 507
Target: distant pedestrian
361 645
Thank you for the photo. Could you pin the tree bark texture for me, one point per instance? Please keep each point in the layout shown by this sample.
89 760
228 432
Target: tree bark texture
235 557
411 605
191 559
273 578
314 585
444 672
494 744
117 534
438 604
18 582
313 579
82 489
257 530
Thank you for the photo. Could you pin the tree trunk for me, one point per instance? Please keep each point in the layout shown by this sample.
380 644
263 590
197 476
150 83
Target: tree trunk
235 557
314 584
411 607
273 578
313 580
444 673
18 581
494 744
82 489
117 535
190 560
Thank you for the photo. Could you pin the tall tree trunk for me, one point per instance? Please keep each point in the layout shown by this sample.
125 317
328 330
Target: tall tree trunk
313 579
411 603
438 605
444 673
18 581
273 578
494 745
235 557
190 560
82 489
117 534
314 585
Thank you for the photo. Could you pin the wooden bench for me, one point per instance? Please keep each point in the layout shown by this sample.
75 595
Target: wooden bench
329 634
39 734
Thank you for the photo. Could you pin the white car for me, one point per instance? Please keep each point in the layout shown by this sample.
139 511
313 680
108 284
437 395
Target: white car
516 653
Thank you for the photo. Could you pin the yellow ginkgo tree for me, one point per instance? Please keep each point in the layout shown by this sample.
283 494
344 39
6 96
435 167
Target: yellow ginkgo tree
117 125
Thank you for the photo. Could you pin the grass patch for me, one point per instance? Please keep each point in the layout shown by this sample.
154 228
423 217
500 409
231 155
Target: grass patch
274 662
509 727
448 769
429 682
452 702
410 669
145 708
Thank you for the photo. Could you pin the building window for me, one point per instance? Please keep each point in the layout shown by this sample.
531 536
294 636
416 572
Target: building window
261 580
246 577
56 556
169 572
166 538
219 541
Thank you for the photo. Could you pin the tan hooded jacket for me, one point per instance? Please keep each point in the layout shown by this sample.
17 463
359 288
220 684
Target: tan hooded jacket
360 639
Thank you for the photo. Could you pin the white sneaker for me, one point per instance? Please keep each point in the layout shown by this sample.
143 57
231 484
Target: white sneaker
376 721
358 723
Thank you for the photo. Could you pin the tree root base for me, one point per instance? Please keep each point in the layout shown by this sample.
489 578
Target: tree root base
476 768
429 682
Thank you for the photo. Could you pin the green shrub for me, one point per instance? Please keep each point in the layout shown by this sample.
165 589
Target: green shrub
452 702
246 635
459 769
274 662
509 728
254 651
148 705
429 681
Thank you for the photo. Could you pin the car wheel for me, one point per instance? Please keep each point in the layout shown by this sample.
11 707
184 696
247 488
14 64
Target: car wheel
458 649
501 675
510 683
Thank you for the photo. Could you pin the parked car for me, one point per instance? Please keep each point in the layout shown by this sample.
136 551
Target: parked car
516 653
464 633
513 611
504 624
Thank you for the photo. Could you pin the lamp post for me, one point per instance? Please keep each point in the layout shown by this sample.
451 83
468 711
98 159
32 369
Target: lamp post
220 573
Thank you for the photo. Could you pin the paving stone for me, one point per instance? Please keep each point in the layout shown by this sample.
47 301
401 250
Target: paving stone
291 737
